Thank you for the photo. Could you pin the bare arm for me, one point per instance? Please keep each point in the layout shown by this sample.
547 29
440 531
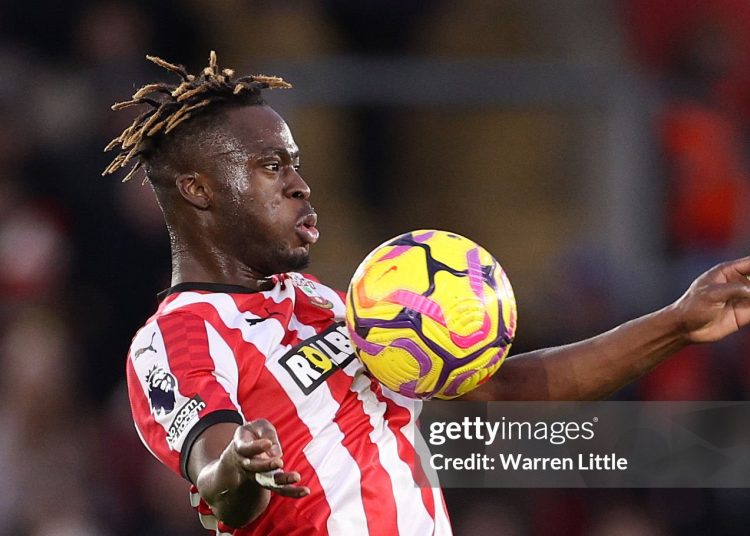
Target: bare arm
715 305
223 463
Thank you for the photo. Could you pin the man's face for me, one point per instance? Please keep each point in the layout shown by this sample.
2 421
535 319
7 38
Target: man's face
263 216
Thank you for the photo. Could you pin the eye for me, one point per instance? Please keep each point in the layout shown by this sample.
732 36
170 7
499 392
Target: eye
297 166
272 166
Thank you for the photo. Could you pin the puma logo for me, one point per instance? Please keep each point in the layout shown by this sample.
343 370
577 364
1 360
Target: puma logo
255 321
140 351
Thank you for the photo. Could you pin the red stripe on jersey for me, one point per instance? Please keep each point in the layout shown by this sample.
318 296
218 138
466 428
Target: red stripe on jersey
305 515
377 496
291 337
151 431
398 418
186 343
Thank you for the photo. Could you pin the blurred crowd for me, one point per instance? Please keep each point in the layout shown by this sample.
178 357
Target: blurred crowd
82 257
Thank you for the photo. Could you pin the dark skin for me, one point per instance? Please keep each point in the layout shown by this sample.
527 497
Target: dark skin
238 226
268 200
716 305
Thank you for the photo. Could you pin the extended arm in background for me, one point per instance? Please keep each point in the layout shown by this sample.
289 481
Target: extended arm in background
223 463
716 305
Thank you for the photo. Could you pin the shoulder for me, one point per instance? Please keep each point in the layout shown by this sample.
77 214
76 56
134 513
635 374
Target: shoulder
221 310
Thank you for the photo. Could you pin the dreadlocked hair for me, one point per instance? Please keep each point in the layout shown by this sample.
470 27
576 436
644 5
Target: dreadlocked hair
172 104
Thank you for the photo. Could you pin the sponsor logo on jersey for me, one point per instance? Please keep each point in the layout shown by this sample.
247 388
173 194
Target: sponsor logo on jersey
161 387
308 289
185 415
316 358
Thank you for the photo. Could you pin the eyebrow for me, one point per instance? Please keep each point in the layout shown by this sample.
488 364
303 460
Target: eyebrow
280 151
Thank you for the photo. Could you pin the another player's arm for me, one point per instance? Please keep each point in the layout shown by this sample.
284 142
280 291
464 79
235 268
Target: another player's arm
223 463
715 305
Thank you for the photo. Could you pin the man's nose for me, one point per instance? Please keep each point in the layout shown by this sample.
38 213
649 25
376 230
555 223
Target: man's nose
297 187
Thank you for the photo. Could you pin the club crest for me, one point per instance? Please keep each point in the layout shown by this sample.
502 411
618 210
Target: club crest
308 289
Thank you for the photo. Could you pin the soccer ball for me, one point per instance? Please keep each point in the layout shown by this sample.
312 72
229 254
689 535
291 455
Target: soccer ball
431 314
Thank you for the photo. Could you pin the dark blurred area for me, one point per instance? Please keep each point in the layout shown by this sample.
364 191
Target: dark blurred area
598 148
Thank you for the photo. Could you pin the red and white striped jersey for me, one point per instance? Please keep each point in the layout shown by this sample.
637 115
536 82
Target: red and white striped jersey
220 353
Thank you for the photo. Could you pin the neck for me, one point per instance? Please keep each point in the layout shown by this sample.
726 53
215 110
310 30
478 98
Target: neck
208 264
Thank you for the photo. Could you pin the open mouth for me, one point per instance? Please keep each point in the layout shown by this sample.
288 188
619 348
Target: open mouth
306 228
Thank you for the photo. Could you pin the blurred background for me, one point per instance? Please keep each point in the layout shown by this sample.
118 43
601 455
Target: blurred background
599 148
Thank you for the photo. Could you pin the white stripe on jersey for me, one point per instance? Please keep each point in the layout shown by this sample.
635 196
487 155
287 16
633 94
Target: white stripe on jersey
225 365
153 358
328 456
442 523
325 452
222 301
411 514
210 522
421 452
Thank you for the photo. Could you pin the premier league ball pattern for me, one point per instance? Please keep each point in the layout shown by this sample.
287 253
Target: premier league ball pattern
431 314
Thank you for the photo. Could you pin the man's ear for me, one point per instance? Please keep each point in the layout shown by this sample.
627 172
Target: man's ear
195 189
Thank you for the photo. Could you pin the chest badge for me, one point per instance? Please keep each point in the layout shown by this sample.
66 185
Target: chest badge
308 289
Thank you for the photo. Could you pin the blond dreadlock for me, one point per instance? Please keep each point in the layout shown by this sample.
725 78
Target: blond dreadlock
170 105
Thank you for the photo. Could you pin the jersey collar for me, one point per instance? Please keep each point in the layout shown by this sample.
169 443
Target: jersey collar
207 287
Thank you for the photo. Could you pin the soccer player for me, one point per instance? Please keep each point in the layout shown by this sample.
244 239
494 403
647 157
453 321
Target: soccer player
244 381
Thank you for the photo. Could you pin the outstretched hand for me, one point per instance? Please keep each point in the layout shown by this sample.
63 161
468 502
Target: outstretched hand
257 450
717 303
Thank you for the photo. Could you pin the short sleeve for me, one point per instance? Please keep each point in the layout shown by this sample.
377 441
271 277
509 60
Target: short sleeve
182 378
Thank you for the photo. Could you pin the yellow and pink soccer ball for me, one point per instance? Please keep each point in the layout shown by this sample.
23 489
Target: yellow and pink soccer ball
431 314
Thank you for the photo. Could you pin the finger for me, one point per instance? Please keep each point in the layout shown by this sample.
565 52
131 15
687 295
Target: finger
266 479
282 483
253 448
261 465
295 492
262 428
257 434
276 479
742 313
246 434
282 479
725 292
739 266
